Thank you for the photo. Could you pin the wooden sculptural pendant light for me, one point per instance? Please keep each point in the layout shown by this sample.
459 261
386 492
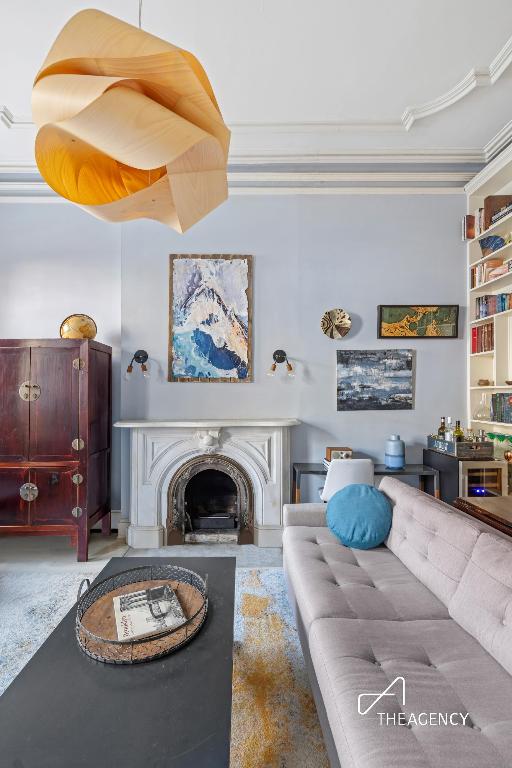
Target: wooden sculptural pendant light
128 124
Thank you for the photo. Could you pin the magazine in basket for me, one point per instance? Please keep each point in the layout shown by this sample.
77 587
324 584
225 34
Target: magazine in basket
147 612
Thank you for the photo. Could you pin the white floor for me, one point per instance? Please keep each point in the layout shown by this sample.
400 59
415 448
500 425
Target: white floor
42 552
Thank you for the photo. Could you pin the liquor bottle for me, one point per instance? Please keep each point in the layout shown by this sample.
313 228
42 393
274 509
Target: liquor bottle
448 432
458 433
441 431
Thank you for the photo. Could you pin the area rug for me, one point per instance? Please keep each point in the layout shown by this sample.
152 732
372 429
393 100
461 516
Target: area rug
274 724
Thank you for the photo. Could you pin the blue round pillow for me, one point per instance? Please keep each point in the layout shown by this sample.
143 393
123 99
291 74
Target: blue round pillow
359 516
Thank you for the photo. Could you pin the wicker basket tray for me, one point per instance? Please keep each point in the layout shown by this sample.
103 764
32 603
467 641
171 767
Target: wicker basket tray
95 621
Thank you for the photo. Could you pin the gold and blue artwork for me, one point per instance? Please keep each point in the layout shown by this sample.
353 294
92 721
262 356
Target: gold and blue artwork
210 318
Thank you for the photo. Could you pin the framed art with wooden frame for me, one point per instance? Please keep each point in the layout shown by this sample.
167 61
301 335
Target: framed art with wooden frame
210 318
419 321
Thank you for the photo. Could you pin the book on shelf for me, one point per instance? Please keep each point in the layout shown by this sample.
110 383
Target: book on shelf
489 270
501 407
146 612
492 305
501 213
495 208
482 338
478 216
468 227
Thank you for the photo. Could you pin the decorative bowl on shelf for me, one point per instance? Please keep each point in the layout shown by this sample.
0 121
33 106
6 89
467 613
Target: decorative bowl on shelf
491 243
78 327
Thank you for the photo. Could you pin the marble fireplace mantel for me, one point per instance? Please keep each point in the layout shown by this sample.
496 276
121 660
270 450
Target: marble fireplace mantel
159 448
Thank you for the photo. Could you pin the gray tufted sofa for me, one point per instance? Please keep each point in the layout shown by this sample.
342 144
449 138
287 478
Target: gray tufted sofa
433 606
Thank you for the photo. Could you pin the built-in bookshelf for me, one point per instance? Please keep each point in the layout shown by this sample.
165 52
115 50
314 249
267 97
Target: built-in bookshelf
489 325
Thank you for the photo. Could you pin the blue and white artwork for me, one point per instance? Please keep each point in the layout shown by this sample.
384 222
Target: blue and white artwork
210 318
376 380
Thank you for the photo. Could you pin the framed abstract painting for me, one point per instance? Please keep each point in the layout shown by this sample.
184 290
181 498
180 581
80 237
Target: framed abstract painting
374 379
210 318
418 321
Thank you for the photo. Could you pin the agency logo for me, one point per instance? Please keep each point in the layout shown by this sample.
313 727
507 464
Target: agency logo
395 688
368 701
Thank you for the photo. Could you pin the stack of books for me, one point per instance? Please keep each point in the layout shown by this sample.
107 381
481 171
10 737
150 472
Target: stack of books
482 338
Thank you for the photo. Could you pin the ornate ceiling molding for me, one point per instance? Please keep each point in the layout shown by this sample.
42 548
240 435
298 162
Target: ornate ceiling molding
476 78
9 120
483 77
284 165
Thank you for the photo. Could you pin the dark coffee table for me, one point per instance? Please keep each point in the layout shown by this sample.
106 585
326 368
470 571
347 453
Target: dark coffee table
65 710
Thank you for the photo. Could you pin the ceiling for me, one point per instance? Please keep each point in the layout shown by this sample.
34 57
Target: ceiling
334 81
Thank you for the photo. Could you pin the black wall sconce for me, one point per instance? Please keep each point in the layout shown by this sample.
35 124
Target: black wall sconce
279 357
141 358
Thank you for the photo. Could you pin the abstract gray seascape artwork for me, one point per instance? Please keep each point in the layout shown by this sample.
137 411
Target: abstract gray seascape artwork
210 318
376 380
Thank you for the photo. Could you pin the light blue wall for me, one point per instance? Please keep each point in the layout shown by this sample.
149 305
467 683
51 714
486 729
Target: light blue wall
56 260
311 253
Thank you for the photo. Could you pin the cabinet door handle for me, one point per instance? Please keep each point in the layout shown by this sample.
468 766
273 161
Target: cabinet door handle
29 491
29 392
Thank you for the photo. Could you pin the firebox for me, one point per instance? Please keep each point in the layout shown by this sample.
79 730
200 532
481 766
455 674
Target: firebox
210 494
211 501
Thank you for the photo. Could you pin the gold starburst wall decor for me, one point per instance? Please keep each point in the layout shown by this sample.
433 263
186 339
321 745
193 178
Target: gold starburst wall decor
128 125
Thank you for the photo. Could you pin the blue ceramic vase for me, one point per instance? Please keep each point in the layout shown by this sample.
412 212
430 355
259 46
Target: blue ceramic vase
394 452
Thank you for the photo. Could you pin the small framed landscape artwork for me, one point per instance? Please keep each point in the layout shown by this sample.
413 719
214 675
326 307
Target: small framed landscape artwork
418 321
375 379
210 318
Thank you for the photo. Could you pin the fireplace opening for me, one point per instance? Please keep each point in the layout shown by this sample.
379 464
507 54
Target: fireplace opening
211 501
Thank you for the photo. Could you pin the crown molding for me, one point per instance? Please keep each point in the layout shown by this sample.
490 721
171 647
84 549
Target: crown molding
14 121
498 142
437 156
490 171
23 184
476 78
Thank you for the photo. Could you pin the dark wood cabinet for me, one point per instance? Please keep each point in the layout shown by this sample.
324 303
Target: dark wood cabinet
55 438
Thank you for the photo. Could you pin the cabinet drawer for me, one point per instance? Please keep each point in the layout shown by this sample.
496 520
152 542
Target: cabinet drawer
13 510
56 496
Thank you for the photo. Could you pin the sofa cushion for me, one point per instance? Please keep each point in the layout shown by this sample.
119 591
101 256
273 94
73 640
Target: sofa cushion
429 537
446 671
359 516
329 579
482 603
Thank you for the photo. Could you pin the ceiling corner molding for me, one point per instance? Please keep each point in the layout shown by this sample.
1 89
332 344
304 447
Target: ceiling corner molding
476 78
491 169
498 142
14 121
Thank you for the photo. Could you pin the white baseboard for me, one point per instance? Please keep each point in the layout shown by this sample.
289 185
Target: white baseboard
145 537
268 537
